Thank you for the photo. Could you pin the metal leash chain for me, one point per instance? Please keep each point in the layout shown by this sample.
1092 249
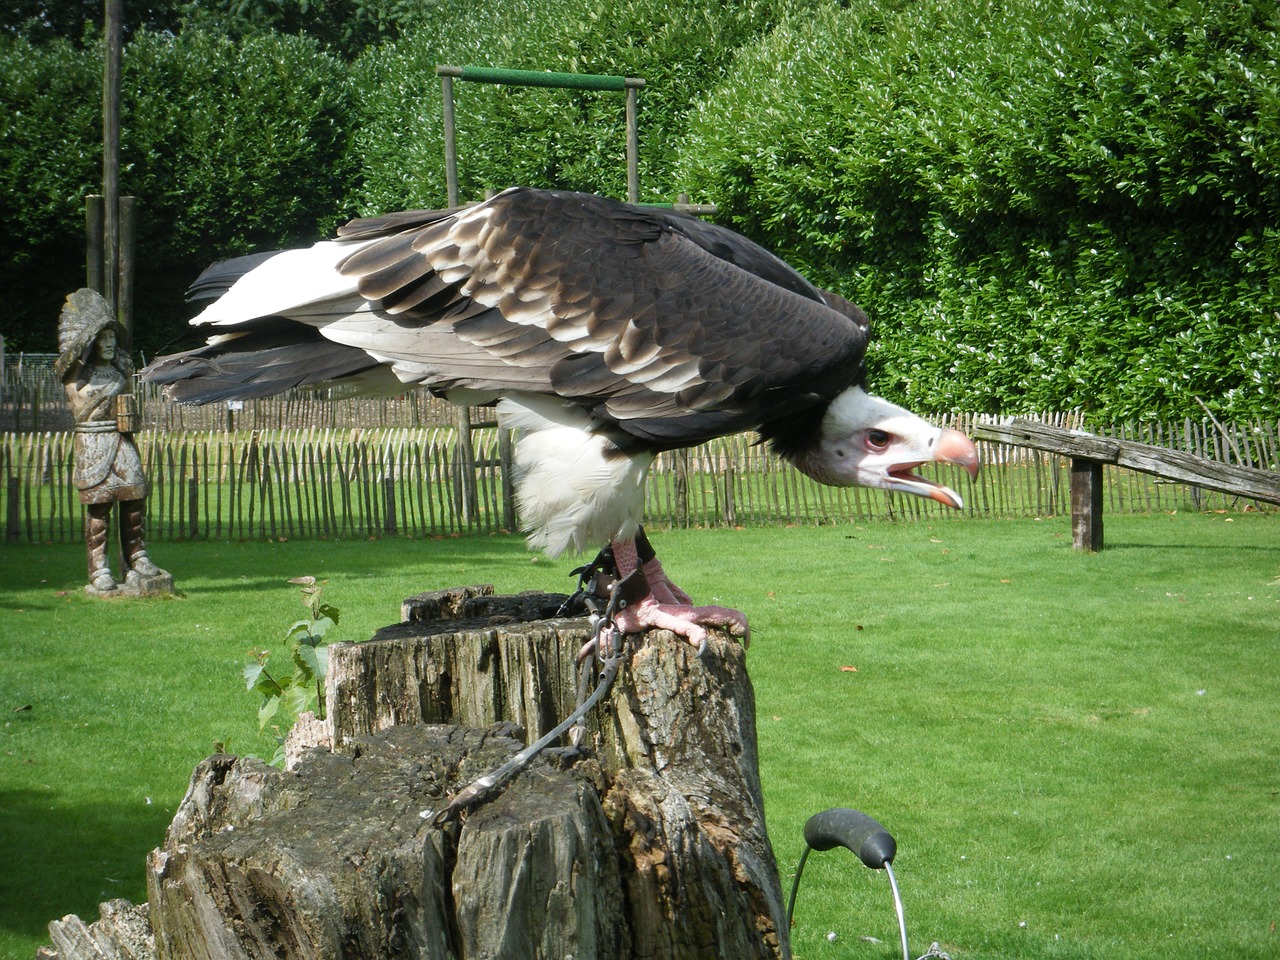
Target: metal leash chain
609 644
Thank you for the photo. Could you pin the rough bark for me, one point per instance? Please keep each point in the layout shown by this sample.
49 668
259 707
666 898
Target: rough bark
121 932
336 859
649 842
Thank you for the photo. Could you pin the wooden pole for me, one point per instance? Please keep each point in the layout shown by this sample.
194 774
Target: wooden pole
633 145
94 258
1163 462
1086 504
127 243
465 496
506 454
111 151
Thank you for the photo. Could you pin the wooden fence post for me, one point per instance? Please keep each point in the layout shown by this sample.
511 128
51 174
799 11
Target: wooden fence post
507 458
12 518
465 496
681 458
389 504
193 508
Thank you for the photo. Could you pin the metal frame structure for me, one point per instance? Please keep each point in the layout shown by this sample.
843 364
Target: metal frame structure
537 78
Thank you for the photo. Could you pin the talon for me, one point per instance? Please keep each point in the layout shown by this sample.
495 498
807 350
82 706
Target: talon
654 602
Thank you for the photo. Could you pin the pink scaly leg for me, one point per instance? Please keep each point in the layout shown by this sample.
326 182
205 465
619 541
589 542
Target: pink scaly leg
666 606
660 585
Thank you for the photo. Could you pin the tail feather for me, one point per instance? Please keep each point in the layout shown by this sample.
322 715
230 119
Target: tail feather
219 277
258 364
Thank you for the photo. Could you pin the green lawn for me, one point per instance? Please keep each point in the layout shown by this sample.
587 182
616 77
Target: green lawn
1078 754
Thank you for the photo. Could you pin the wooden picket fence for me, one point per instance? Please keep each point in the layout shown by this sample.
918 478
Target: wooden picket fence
412 481
32 401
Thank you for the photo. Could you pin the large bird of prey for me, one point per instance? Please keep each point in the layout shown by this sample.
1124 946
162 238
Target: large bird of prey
605 333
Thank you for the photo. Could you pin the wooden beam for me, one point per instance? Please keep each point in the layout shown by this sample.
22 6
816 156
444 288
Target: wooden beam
1162 462
450 141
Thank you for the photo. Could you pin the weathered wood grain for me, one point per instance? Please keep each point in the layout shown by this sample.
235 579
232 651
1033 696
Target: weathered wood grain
1164 462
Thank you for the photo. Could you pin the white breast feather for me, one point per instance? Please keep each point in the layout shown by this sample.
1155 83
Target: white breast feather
575 493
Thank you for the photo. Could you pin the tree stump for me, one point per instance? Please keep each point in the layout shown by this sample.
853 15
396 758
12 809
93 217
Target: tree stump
648 841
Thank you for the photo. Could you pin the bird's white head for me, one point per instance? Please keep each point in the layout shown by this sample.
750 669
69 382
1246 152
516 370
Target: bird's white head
867 441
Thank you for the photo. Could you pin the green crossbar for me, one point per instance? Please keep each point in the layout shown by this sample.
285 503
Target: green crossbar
540 78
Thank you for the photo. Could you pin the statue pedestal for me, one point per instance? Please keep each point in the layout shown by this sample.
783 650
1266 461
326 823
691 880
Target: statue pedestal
135 585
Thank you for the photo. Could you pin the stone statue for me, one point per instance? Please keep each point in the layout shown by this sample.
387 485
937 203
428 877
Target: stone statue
97 378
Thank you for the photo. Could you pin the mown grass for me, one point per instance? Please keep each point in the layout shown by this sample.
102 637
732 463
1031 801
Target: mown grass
1078 754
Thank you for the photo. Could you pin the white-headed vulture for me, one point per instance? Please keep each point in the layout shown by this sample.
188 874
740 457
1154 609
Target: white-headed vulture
605 333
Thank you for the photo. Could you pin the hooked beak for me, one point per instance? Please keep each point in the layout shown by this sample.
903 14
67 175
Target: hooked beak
952 446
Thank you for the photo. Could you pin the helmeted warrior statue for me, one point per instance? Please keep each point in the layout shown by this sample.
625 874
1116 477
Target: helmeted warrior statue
97 378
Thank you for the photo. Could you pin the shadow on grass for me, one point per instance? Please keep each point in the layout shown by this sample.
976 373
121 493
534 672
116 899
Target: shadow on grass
55 855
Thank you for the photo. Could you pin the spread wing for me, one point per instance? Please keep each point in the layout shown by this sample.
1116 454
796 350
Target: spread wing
673 329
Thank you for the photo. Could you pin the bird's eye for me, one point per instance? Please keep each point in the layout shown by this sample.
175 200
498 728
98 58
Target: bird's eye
878 439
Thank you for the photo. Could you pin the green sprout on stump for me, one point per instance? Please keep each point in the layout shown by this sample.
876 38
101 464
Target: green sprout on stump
285 696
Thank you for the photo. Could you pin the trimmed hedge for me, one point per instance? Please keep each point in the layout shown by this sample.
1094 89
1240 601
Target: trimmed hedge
245 150
1044 205
51 103
544 137
229 147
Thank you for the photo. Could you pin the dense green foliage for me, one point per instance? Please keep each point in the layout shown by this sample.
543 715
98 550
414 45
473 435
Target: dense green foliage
229 146
246 151
543 137
80 21
345 26
50 107
1043 205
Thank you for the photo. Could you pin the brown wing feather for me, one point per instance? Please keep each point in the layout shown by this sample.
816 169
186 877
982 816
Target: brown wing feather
674 327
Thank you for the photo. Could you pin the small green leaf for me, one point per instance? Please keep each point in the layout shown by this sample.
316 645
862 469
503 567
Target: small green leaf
308 663
299 699
251 673
268 686
320 627
266 712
